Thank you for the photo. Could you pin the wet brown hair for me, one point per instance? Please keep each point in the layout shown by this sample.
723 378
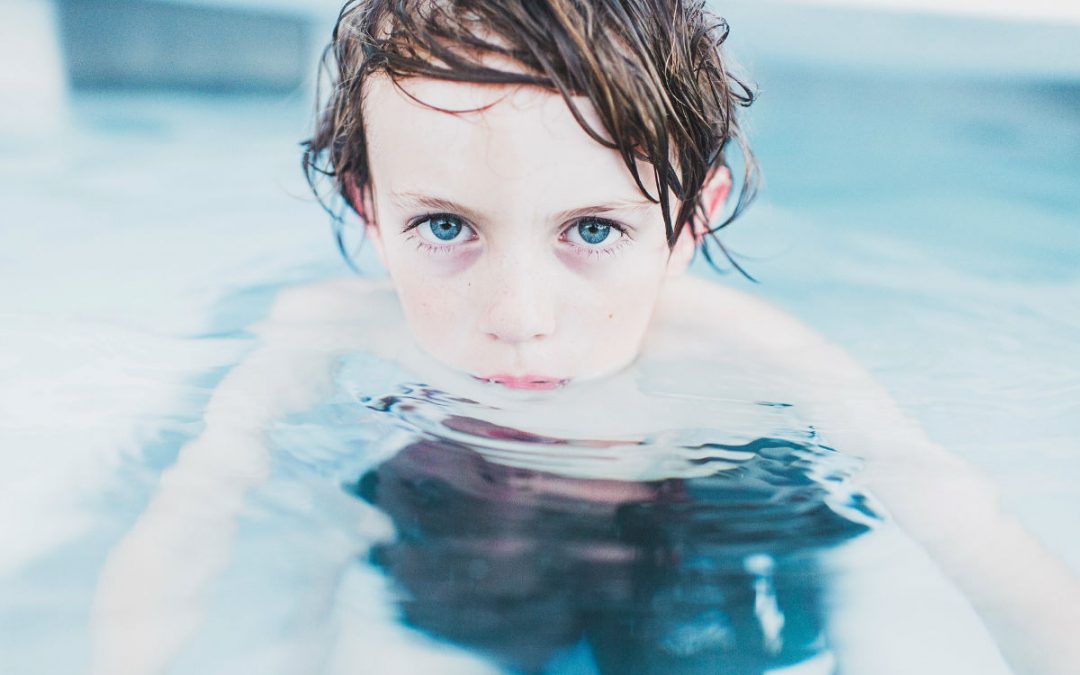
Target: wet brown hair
653 70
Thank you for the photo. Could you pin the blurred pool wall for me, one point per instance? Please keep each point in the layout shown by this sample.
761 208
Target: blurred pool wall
981 39
271 46
213 47
32 84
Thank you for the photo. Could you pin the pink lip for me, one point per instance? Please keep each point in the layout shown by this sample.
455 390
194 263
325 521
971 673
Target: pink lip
533 382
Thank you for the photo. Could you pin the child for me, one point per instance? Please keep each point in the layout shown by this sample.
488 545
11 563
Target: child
535 177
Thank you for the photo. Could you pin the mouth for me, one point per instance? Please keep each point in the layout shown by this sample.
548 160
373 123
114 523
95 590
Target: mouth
528 382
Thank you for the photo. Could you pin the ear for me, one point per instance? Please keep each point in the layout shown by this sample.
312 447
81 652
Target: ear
363 202
714 194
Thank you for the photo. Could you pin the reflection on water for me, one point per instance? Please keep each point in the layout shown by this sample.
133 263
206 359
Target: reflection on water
714 572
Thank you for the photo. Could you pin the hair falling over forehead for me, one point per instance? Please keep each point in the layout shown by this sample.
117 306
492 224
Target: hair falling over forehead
653 70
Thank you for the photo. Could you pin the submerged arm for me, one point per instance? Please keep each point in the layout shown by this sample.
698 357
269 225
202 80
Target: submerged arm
151 595
1028 598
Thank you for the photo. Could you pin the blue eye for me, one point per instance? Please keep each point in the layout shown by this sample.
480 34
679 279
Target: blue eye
593 231
445 228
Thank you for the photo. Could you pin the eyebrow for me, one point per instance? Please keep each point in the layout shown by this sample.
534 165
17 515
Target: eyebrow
440 204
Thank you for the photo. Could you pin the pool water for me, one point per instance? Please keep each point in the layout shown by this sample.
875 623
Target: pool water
927 225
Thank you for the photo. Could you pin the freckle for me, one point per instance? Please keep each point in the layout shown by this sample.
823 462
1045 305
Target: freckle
610 316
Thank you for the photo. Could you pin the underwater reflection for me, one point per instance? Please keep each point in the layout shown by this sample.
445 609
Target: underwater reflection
708 574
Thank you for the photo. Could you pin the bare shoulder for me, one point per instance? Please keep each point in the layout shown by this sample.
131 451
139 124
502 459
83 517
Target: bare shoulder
333 300
345 313
819 374
736 317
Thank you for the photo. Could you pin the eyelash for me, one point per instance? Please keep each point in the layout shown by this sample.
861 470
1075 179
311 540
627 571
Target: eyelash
589 252
423 245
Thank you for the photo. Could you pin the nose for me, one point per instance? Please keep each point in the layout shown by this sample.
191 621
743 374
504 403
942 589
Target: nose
520 305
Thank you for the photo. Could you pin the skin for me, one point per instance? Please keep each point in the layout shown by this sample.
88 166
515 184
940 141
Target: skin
552 276
521 301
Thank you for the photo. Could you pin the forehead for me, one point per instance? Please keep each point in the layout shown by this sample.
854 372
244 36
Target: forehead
505 134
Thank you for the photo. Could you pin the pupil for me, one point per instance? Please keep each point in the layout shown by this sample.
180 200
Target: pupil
593 232
445 229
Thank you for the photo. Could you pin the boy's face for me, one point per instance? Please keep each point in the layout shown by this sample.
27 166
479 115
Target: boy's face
521 249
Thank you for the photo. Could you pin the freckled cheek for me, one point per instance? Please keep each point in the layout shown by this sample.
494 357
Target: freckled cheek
580 265
433 290
621 307
614 281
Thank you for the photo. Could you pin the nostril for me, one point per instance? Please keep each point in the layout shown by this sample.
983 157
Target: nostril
512 337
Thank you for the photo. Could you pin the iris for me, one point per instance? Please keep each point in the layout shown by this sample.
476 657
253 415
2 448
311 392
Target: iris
592 231
445 227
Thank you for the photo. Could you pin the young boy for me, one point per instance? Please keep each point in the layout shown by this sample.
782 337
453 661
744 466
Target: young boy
535 177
